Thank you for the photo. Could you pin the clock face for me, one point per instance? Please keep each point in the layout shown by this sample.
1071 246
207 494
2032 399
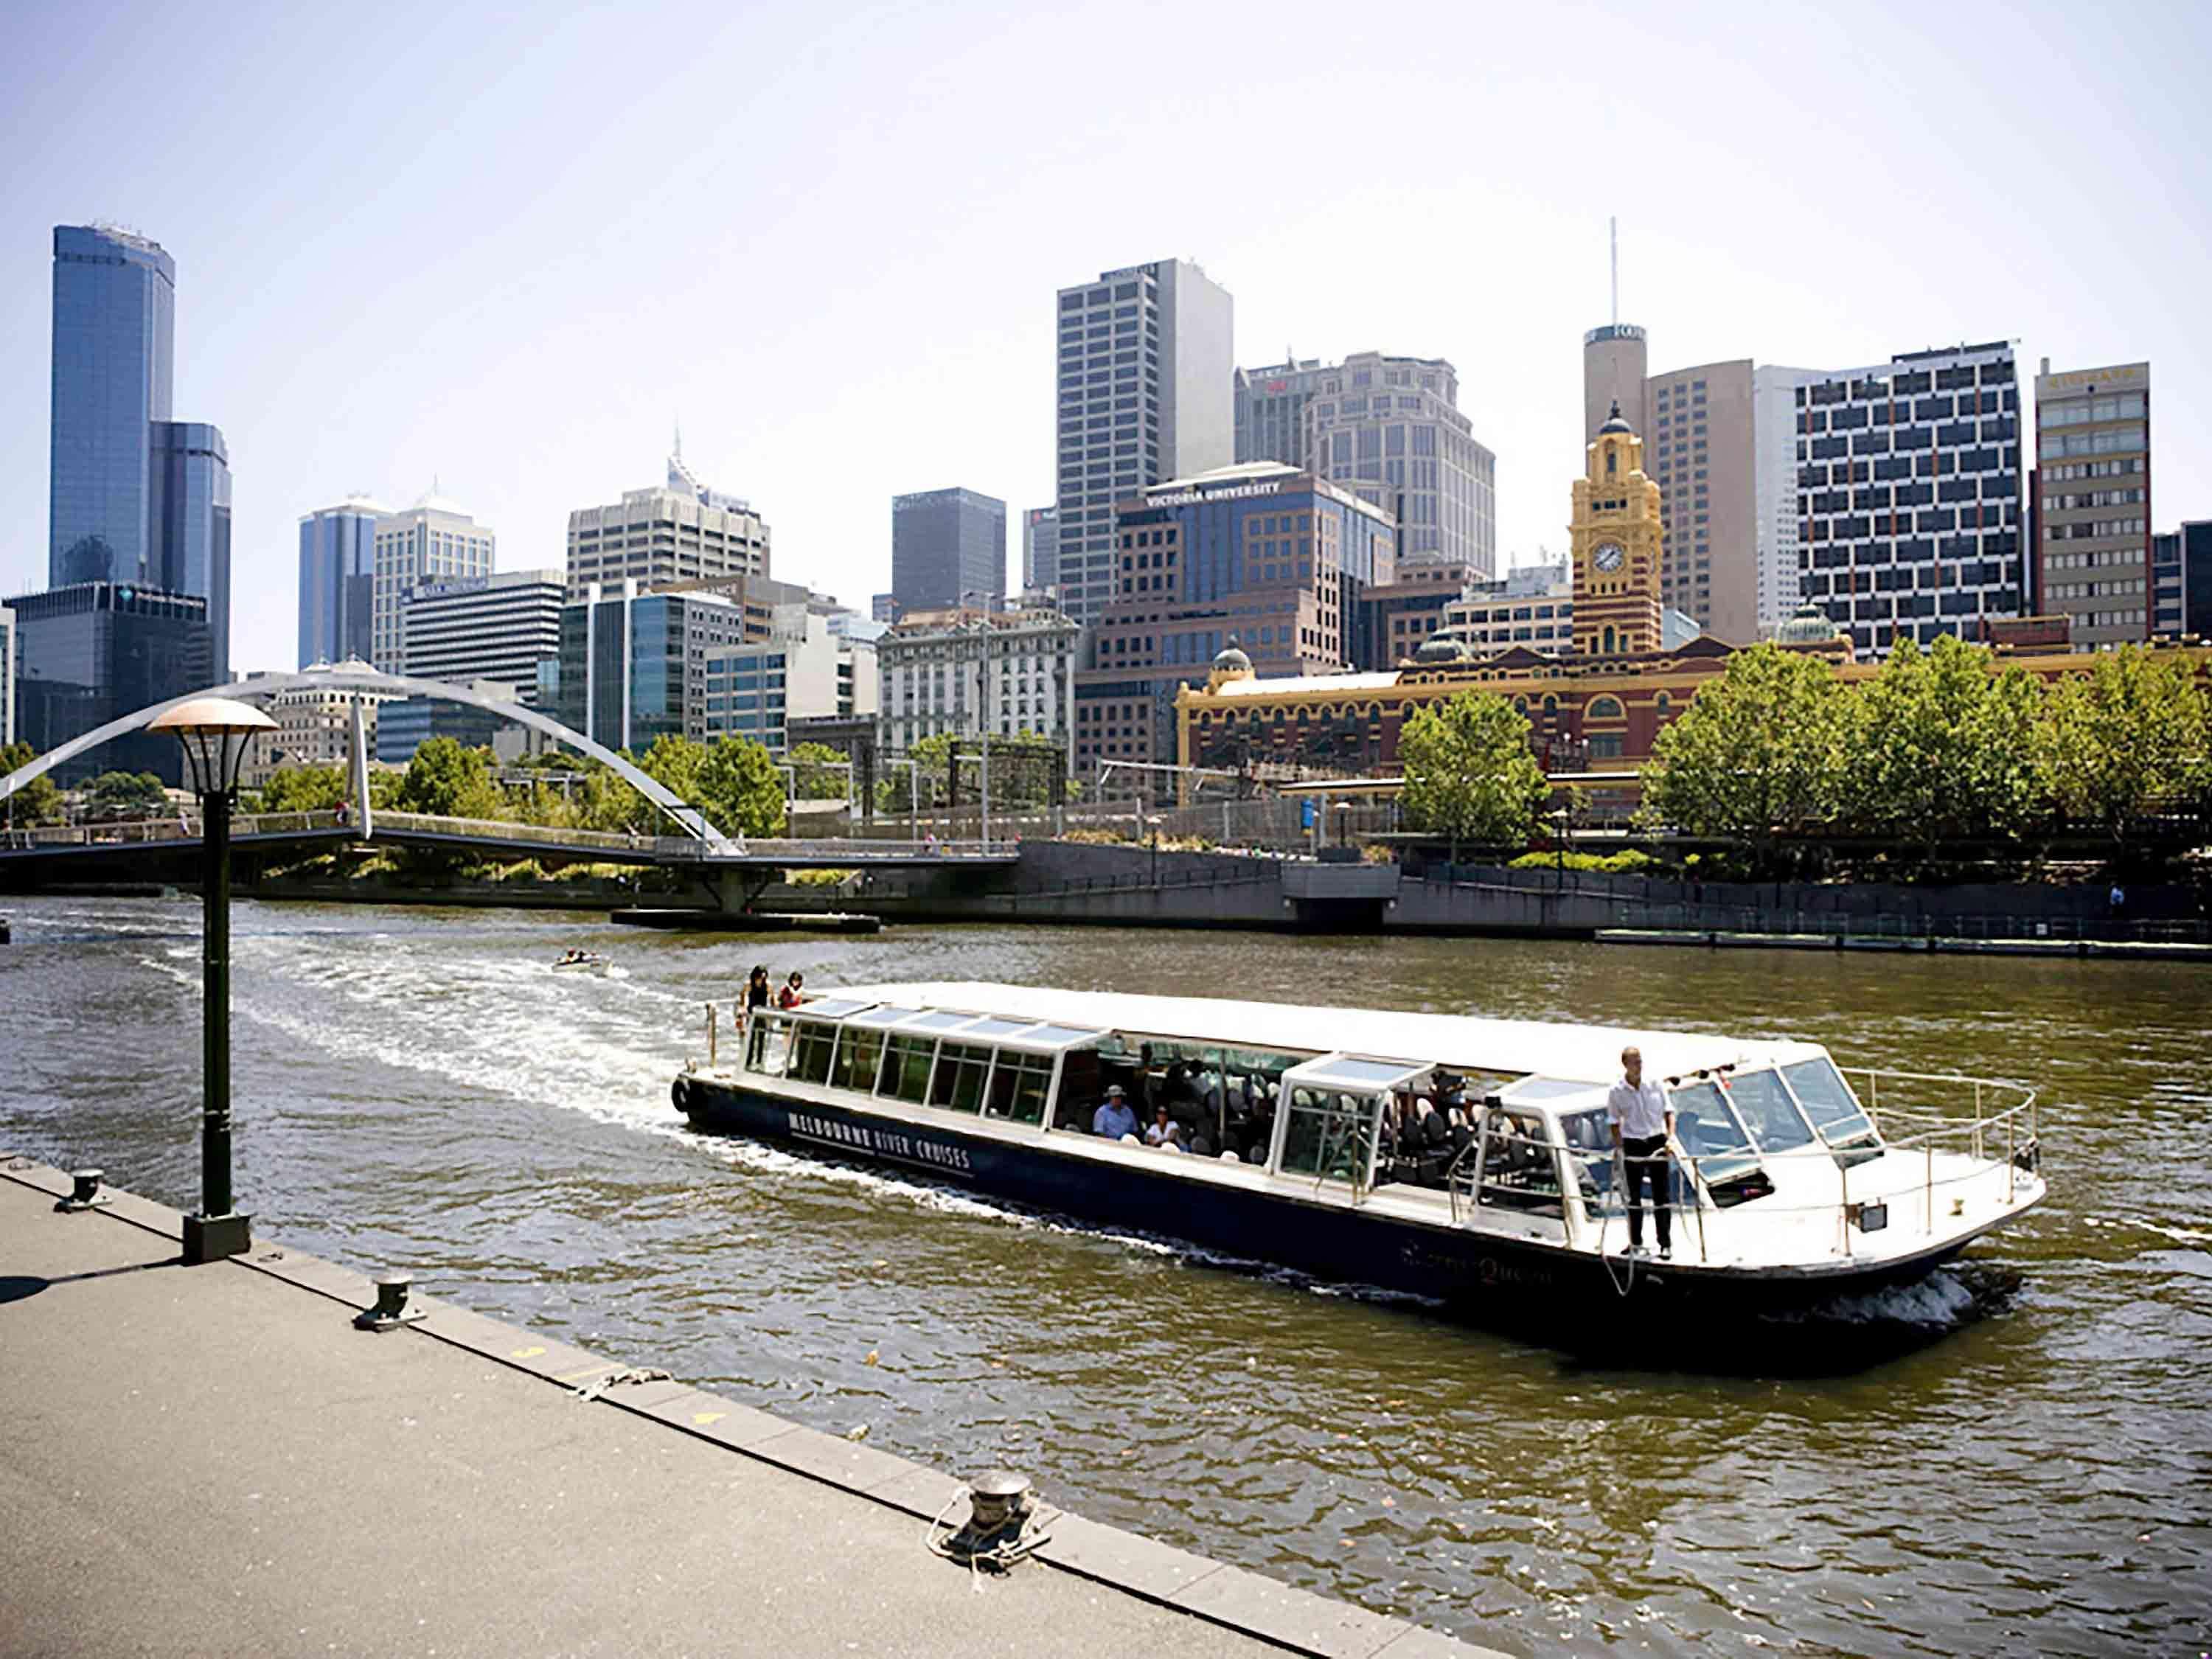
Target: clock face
1609 556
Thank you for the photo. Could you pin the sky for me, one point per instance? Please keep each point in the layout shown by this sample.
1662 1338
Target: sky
509 250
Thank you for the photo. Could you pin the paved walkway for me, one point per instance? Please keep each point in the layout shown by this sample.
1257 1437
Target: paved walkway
211 1461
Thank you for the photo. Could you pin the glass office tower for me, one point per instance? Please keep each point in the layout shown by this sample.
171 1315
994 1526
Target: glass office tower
191 526
337 580
94 652
114 311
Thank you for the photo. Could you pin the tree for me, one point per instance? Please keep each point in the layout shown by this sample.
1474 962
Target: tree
1757 755
817 772
448 781
2124 740
38 801
305 789
1468 771
1942 749
739 788
120 795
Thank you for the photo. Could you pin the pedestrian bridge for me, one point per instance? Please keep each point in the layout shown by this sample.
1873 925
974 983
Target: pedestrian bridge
123 843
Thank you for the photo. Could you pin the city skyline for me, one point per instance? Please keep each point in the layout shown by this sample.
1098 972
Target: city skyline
526 358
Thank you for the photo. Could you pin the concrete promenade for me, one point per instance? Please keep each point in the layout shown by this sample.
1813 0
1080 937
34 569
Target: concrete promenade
212 1461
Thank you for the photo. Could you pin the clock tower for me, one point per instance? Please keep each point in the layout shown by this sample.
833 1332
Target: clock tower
1615 532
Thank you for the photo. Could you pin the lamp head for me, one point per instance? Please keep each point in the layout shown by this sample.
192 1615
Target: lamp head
214 731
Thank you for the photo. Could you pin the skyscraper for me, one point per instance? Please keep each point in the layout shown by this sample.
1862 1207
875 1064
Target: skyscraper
7 676
466 628
192 519
1615 364
337 580
1699 449
431 539
1146 379
948 549
92 652
1909 494
683 532
114 353
1040 548
135 497
1774 490
2093 511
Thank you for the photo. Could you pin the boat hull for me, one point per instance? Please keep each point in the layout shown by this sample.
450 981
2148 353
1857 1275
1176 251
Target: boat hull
1501 1278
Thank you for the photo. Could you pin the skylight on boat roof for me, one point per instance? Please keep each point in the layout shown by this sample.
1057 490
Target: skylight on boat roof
1345 1072
831 1008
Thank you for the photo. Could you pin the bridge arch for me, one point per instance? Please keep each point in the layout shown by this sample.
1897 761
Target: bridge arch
694 822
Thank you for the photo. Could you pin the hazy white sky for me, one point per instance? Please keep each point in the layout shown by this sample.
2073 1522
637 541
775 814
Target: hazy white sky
511 252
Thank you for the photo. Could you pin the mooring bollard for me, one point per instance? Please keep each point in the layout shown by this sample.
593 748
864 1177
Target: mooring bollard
85 1192
391 1309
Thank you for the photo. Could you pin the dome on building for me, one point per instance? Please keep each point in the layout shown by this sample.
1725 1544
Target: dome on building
1613 422
1442 648
1232 664
1808 625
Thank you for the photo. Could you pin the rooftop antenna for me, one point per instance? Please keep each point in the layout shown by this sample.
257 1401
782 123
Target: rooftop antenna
679 440
1613 229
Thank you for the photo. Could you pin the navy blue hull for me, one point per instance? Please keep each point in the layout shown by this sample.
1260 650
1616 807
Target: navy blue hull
1493 1277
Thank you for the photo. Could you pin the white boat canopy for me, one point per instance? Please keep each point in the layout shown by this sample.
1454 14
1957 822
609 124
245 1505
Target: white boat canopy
1586 1053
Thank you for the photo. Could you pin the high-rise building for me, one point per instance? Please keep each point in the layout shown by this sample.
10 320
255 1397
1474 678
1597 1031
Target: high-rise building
113 360
1040 549
2181 582
1615 365
93 652
754 691
191 518
1388 429
1909 494
433 539
337 580
1145 382
2091 510
966 670
634 666
1774 492
682 532
948 549
135 498
499 628
1699 448
1273 557
7 676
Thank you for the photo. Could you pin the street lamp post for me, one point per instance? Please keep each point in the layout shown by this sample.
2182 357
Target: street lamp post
214 732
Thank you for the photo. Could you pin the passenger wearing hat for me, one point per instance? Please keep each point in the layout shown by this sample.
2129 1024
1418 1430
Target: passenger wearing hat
1114 1119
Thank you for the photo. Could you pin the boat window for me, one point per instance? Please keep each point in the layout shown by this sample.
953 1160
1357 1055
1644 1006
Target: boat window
860 1056
810 1051
1767 1111
992 1026
906 1068
1715 1140
1372 1073
767 1044
938 1020
1082 1084
1545 1088
1330 1134
1019 1087
1827 1100
1520 1167
959 1084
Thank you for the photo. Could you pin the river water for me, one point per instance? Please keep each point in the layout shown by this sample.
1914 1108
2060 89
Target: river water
2031 1476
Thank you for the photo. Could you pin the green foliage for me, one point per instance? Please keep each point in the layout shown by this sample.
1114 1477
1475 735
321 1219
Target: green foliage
1628 861
305 789
817 772
446 780
114 796
739 788
1757 755
38 801
1468 771
1942 749
2132 735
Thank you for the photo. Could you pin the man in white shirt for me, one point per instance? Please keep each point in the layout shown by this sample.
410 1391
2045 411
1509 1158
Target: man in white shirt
1642 1124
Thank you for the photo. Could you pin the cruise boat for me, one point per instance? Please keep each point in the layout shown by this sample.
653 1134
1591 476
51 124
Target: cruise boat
1300 1138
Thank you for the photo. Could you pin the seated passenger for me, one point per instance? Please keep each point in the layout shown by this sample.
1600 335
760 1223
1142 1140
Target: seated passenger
1114 1119
1460 1132
1434 1136
1163 1130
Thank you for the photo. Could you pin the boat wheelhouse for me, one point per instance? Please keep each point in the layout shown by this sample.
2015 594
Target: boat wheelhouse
1436 1154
